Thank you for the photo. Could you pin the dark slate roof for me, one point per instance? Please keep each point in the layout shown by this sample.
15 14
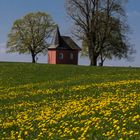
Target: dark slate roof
70 43
63 42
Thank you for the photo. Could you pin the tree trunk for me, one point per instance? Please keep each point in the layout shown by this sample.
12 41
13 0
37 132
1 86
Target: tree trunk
33 58
93 61
92 55
101 63
102 60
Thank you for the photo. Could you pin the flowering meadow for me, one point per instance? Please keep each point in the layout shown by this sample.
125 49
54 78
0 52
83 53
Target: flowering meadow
61 102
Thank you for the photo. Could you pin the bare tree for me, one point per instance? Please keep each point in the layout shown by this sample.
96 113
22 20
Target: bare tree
93 22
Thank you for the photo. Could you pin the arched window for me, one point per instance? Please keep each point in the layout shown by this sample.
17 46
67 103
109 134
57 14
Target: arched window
60 56
71 56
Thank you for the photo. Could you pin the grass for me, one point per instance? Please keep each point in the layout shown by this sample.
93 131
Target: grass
61 102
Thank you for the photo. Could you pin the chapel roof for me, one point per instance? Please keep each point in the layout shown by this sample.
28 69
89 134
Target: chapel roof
63 42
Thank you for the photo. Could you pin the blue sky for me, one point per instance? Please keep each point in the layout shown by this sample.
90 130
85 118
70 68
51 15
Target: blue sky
10 10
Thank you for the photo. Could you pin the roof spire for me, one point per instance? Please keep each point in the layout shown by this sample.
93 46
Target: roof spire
57 37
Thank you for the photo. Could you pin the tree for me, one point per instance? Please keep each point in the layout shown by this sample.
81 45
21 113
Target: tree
29 34
95 22
116 45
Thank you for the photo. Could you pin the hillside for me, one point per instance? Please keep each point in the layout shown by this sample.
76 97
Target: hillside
39 101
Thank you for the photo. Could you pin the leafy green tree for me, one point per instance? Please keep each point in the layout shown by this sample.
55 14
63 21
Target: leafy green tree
29 34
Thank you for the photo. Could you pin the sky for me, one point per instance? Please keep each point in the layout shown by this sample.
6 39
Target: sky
11 10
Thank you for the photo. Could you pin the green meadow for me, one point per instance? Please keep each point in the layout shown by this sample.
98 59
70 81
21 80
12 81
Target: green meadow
66 102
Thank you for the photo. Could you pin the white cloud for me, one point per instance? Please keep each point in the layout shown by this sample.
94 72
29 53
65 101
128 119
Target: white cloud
2 47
